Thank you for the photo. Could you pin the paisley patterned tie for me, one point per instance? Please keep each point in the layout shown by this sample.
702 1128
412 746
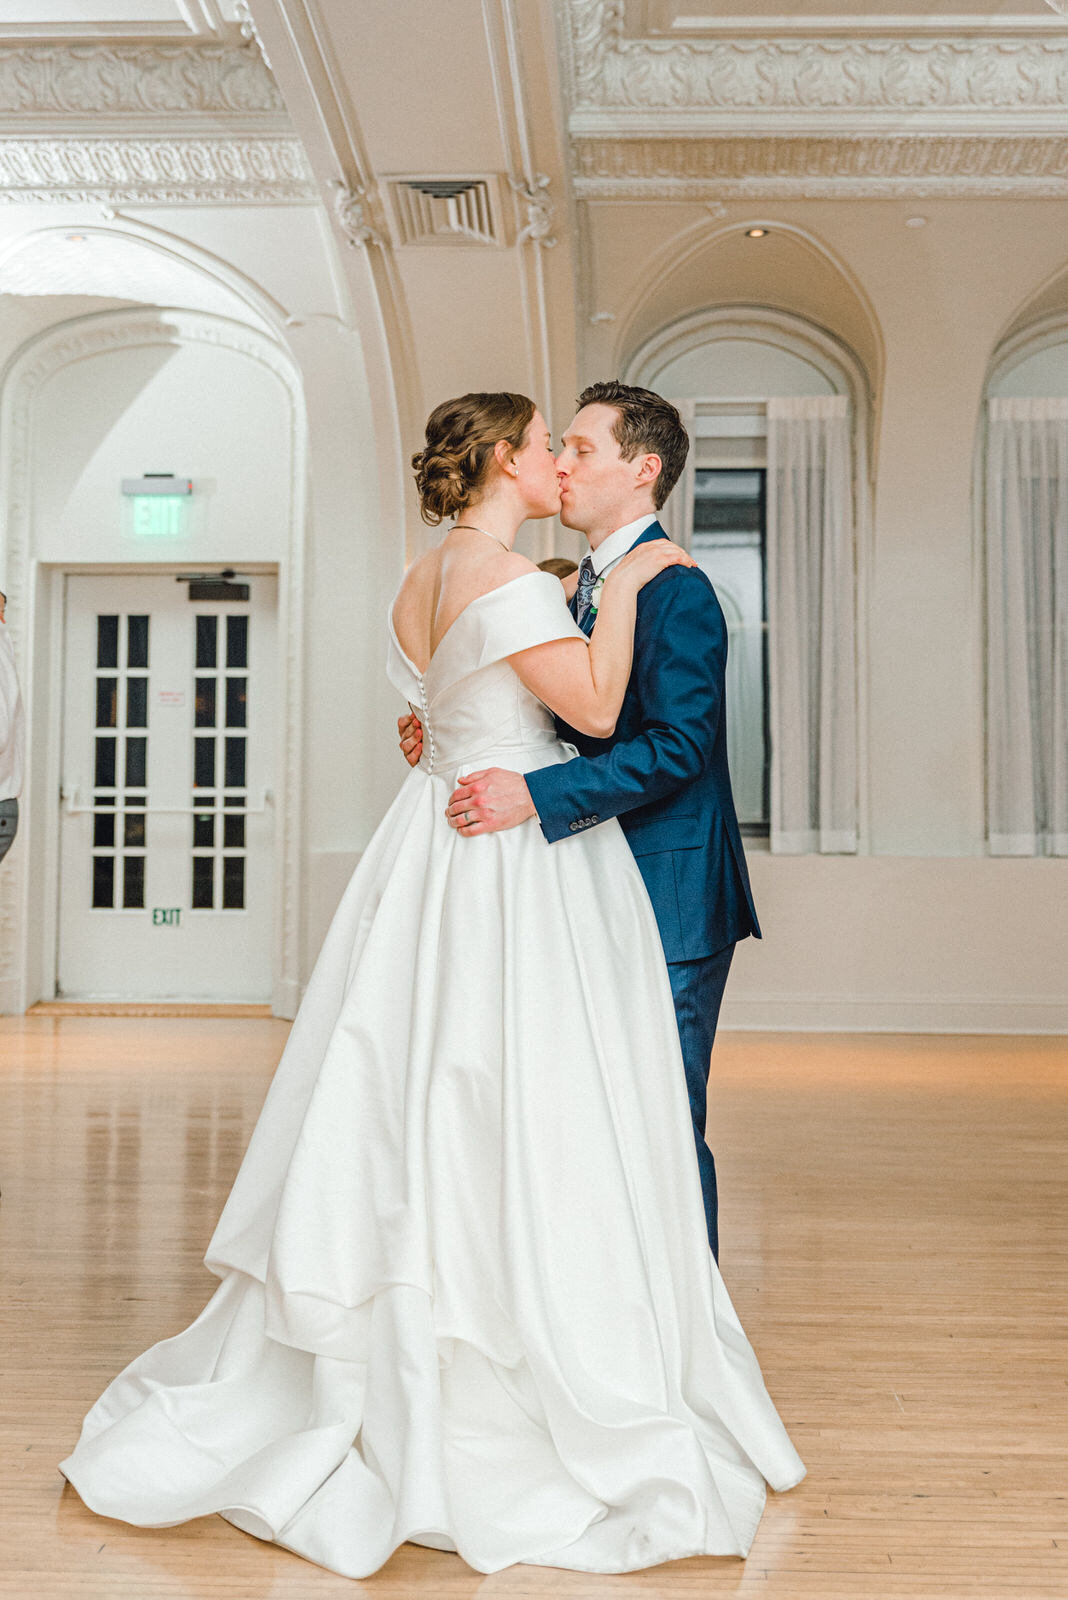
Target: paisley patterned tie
585 610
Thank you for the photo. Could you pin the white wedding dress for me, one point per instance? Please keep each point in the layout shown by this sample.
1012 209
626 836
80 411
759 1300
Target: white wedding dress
467 1297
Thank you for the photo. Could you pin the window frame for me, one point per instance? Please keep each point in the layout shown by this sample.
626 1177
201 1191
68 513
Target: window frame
756 830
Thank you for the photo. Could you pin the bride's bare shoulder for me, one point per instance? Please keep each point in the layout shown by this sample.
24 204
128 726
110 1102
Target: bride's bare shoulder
509 565
493 574
419 582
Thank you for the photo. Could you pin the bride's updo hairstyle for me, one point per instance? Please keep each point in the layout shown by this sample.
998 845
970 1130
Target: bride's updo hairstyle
460 436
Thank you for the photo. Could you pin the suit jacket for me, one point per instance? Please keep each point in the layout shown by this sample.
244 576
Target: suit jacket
664 773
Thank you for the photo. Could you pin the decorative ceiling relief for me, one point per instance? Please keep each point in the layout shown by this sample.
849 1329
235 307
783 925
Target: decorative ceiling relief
78 81
171 171
833 75
974 111
873 168
355 209
186 124
539 208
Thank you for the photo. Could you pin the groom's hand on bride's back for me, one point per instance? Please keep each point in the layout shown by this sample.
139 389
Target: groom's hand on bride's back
489 802
482 802
411 738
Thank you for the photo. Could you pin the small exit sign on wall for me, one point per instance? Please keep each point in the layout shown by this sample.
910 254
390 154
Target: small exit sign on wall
159 516
159 505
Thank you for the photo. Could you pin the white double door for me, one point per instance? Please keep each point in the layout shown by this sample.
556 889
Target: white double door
166 819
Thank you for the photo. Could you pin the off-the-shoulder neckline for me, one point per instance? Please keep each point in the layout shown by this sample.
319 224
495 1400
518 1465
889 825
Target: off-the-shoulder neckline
523 576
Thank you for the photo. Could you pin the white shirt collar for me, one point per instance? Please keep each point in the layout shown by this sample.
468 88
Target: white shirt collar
615 547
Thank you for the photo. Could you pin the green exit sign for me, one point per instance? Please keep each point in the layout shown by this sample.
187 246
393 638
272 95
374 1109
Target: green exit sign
159 516
157 505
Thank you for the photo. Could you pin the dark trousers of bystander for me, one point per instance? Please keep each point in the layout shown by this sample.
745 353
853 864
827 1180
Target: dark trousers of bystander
9 825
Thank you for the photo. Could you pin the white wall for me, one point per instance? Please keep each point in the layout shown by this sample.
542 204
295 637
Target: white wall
223 420
903 944
738 369
926 931
198 410
355 562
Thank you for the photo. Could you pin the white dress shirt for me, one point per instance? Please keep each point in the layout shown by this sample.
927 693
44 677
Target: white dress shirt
615 547
12 722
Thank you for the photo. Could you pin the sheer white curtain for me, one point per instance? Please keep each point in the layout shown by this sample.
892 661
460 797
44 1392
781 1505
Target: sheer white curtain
1027 627
812 626
676 516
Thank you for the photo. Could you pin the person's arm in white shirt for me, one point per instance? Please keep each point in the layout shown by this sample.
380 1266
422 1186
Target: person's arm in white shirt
9 689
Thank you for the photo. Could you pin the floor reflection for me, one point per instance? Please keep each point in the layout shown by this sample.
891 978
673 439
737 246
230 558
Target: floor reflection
891 1245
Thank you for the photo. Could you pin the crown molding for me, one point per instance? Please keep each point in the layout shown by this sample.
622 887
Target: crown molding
658 19
172 171
187 124
872 167
940 82
69 86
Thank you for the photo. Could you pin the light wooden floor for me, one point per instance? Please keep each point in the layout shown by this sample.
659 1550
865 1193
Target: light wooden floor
894 1238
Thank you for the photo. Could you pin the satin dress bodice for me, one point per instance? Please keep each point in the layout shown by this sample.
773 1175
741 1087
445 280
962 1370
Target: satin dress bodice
474 709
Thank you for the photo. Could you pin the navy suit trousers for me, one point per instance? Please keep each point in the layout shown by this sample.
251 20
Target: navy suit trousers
697 988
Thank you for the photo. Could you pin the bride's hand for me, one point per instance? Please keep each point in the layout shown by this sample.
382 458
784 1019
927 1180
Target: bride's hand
410 730
646 561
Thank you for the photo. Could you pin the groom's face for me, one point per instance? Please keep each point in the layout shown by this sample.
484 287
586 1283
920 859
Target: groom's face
596 484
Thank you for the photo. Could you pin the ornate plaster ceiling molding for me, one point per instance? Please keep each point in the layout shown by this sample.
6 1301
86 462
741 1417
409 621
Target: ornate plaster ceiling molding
186 124
79 84
171 171
859 167
356 213
249 31
829 82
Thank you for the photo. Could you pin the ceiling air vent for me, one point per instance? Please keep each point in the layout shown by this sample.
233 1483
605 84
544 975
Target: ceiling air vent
445 210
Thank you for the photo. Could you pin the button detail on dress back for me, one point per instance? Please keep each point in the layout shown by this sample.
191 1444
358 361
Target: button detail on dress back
424 718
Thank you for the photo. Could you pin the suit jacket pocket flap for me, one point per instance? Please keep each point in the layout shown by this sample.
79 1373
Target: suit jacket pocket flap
666 833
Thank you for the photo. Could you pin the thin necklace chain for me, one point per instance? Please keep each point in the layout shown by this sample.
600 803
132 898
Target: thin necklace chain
472 529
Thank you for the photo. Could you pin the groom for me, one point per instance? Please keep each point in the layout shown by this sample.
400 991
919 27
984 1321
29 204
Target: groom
663 772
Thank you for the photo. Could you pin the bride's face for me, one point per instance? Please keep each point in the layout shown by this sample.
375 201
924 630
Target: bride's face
536 474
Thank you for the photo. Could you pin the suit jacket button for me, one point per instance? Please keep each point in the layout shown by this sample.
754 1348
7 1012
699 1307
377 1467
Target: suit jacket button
574 826
595 819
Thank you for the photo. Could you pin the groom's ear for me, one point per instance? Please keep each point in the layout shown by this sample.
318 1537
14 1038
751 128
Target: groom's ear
650 469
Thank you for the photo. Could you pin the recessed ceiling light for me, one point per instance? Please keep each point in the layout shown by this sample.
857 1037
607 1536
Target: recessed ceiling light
76 238
755 233
915 222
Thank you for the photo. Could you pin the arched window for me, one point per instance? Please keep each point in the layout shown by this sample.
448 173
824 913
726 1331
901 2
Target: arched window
771 503
1025 513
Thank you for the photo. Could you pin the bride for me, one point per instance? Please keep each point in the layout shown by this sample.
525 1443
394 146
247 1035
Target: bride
467 1297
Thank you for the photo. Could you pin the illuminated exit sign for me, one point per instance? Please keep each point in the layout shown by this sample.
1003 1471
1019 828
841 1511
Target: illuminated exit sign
163 516
159 505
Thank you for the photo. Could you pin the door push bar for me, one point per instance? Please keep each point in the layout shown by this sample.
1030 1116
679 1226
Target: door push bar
69 801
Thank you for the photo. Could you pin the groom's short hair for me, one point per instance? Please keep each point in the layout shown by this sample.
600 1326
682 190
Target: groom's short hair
646 423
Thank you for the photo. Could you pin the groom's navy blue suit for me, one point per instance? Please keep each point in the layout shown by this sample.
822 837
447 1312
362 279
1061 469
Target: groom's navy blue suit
664 774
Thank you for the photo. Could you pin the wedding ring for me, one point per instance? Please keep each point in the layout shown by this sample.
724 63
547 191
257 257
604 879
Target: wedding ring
467 816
